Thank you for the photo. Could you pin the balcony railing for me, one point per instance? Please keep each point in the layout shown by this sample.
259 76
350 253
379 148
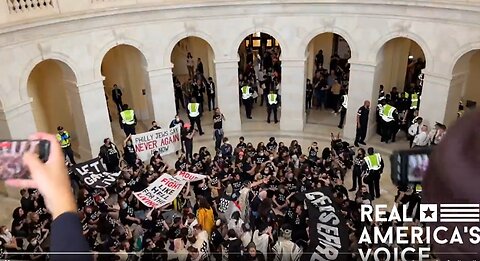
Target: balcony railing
21 11
22 6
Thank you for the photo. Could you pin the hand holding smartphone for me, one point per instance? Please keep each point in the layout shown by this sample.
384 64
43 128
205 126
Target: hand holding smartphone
50 177
11 157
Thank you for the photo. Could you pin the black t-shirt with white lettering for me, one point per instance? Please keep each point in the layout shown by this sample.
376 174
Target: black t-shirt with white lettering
272 146
129 154
127 212
259 159
280 197
217 121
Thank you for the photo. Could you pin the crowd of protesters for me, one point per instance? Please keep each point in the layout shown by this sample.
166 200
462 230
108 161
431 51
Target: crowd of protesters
247 208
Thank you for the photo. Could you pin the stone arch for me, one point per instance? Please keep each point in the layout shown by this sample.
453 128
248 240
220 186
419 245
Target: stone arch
378 45
464 50
335 30
177 38
51 89
37 60
98 59
263 29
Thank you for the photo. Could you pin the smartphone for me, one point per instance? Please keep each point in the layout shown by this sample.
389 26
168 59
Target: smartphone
11 157
409 166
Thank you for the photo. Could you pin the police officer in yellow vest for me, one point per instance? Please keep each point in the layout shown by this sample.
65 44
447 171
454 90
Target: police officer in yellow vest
63 138
389 115
272 105
343 108
129 120
375 166
247 99
193 108
413 102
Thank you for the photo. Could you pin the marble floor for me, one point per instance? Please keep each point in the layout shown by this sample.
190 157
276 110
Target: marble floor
318 128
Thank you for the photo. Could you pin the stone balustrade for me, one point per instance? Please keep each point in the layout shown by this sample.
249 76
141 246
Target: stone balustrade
14 12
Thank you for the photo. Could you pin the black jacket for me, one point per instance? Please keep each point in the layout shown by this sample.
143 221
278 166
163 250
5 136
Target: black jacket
67 237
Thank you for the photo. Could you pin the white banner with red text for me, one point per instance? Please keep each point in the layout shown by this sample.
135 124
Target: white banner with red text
165 141
189 176
166 188
161 192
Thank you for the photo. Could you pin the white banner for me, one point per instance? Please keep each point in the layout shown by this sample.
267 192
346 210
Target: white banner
165 141
161 192
189 176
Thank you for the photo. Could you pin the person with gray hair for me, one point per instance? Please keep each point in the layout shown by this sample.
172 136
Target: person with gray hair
284 249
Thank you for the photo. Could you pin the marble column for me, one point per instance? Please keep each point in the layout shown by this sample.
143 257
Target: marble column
162 96
438 102
228 93
17 122
361 87
90 114
293 95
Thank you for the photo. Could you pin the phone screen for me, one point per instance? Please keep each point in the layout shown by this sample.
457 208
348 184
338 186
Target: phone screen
417 167
410 166
11 157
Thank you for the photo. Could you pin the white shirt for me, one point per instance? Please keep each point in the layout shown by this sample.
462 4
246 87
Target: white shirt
189 61
421 139
286 250
414 129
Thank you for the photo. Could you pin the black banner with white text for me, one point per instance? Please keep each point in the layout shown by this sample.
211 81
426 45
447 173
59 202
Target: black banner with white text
94 174
328 230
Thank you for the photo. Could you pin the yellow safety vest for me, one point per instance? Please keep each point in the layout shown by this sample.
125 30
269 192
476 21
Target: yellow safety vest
64 143
418 188
128 117
387 113
374 161
272 99
246 92
345 101
193 109
414 99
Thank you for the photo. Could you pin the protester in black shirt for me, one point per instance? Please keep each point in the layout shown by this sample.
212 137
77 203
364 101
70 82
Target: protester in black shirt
272 145
129 154
241 144
110 155
154 126
359 167
218 119
188 141
26 202
226 149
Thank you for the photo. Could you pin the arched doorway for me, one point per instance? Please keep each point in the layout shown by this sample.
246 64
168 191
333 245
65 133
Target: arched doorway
400 62
464 91
259 67
328 73
398 79
194 76
126 67
52 85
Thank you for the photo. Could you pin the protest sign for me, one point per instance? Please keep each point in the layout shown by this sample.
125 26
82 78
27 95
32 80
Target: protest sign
327 228
165 141
161 192
189 176
94 174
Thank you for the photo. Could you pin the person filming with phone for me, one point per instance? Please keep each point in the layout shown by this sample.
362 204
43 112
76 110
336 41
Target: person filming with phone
52 181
